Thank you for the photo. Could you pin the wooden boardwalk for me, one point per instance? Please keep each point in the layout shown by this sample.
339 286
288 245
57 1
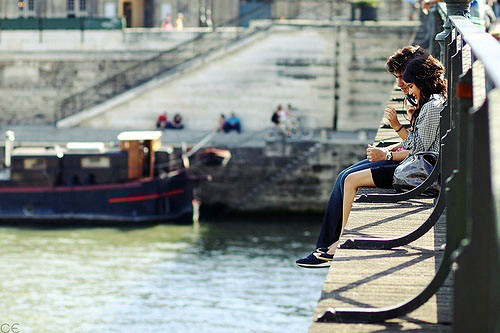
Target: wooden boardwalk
380 278
376 278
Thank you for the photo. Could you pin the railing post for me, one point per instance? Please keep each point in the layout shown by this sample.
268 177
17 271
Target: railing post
476 302
432 26
453 7
494 228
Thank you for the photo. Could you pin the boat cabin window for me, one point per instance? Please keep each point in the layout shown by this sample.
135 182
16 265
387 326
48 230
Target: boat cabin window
34 163
95 162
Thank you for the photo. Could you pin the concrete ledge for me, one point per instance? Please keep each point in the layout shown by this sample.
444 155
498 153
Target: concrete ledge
129 40
337 23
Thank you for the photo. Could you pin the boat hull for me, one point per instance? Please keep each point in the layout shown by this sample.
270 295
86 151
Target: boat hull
147 200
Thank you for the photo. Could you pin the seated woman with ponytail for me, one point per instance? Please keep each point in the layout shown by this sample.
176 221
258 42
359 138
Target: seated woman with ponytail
424 79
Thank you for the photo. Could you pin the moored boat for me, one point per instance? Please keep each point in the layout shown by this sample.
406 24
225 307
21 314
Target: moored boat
135 182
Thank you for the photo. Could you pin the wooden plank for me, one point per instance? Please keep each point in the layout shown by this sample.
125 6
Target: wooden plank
376 278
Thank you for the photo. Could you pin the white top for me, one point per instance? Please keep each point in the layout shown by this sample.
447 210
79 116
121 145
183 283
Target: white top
139 135
85 146
283 115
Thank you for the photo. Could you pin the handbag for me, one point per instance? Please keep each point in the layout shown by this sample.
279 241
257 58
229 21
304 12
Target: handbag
414 170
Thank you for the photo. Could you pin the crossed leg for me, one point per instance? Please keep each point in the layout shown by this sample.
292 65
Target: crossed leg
352 182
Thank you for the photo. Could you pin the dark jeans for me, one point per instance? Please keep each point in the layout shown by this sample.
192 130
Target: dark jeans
228 127
332 219
174 125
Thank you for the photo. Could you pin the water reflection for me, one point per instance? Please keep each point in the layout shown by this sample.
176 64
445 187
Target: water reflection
231 276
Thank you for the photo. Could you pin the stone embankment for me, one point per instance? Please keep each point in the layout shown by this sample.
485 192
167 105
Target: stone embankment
281 176
323 69
305 63
39 70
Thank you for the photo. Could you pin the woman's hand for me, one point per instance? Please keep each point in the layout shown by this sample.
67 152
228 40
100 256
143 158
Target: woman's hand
410 111
391 115
374 154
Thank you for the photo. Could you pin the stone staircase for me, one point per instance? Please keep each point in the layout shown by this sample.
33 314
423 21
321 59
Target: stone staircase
164 63
292 166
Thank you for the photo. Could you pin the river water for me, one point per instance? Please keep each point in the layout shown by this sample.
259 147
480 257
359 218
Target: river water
231 276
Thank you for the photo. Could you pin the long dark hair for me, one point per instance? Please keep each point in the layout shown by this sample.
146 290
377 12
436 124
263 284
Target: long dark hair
428 75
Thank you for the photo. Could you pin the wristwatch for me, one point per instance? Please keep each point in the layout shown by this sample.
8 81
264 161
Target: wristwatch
388 155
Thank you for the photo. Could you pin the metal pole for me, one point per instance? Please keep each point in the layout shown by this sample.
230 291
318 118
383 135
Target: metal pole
335 73
9 144
457 7
212 16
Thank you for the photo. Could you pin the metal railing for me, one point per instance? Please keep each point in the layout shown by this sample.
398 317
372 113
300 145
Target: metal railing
59 23
472 58
471 175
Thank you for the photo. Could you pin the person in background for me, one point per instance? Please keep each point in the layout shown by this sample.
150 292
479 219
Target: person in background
221 122
179 24
177 123
275 118
232 123
284 121
166 24
162 121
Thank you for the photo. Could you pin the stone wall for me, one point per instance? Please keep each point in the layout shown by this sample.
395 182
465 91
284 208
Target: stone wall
288 65
128 40
388 10
37 71
293 63
363 85
303 188
32 85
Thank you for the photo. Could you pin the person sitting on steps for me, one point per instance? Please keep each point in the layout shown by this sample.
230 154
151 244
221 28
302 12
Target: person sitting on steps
232 123
177 123
161 121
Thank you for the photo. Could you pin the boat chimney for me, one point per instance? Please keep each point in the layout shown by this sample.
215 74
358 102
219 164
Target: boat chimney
9 144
